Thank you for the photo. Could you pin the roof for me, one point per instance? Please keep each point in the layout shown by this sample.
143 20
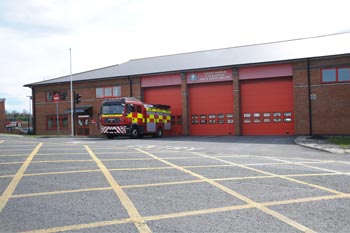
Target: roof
330 45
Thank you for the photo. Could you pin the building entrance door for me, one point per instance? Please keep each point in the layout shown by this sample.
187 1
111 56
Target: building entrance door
83 126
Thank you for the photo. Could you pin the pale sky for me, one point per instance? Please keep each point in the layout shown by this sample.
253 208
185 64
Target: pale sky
35 35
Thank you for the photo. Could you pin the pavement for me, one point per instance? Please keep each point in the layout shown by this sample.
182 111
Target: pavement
321 144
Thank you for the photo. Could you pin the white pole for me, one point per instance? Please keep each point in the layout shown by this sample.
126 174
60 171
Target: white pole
71 93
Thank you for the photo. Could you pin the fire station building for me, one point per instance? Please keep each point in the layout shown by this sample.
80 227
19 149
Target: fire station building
296 87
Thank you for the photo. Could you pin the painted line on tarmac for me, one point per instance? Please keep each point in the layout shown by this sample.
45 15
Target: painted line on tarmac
14 155
306 199
16 179
198 212
1 141
81 226
235 194
138 221
60 192
286 177
186 214
308 166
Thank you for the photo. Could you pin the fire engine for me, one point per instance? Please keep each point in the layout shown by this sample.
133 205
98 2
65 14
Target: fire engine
129 116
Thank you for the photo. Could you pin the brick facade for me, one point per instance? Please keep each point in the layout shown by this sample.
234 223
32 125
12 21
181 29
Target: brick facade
330 110
2 115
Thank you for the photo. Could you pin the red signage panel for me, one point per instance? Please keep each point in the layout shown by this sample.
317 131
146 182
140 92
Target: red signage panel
209 76
266 71
161 80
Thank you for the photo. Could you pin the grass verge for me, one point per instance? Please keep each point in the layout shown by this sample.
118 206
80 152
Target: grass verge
343 142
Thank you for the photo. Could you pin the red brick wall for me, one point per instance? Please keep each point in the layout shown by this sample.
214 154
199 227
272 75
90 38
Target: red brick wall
331 108
2 116
87 90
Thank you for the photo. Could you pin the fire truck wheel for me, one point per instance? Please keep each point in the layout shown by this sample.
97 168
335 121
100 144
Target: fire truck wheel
134 132
159 133
110 136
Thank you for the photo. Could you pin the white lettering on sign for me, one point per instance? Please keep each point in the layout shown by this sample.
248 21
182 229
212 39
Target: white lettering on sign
210 76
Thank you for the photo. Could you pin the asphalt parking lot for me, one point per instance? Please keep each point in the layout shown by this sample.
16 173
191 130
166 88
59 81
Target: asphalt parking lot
182 184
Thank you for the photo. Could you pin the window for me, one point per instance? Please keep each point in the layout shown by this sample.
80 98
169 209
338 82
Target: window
343 74
50 94
105 92
336 75
51 122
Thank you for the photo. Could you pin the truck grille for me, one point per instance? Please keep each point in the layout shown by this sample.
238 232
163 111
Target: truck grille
111 120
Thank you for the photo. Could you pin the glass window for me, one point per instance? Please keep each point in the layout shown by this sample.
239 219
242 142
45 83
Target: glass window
329 75
343 74
62 94
116 91
108 91
52 122
99 93
105 92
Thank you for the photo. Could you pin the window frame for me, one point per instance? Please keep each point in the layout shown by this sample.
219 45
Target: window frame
60 92
336 75
112 88
54 120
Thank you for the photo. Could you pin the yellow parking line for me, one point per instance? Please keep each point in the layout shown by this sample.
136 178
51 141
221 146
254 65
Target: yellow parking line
63 161
186 214
9 163
306 199
198 212
60 192
59 173
306 165
13 155
272 174
140 168
138 221
235 194
81 226
14 182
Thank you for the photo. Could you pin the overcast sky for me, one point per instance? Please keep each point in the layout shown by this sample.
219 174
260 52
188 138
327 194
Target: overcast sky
35 35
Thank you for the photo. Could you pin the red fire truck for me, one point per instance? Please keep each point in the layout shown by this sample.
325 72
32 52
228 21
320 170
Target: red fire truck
129 116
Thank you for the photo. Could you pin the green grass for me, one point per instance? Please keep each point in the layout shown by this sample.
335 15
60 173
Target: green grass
343 142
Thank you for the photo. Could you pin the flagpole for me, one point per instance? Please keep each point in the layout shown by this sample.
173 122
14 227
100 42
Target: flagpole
71 93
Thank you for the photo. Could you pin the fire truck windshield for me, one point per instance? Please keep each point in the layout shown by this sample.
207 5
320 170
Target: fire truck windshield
112 108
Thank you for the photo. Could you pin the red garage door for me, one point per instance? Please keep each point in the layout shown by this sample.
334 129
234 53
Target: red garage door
211 109
267 106
169 95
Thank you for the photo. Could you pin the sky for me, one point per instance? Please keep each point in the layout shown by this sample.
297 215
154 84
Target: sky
36 35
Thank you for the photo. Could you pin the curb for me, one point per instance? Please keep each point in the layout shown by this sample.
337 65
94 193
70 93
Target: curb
315 144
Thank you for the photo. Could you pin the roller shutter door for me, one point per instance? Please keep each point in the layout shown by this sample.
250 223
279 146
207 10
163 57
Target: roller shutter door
169 95
267 106
211 109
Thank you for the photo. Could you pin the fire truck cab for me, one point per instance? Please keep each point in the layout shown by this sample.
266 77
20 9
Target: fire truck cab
131 117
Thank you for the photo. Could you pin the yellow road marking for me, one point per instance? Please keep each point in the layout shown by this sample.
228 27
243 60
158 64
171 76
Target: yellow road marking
306 199
198 212
81 226
60 192
10 163
186 213
1 141
123 197
15 180
235 194
272 174
13 155
63 161
306 165
59 173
